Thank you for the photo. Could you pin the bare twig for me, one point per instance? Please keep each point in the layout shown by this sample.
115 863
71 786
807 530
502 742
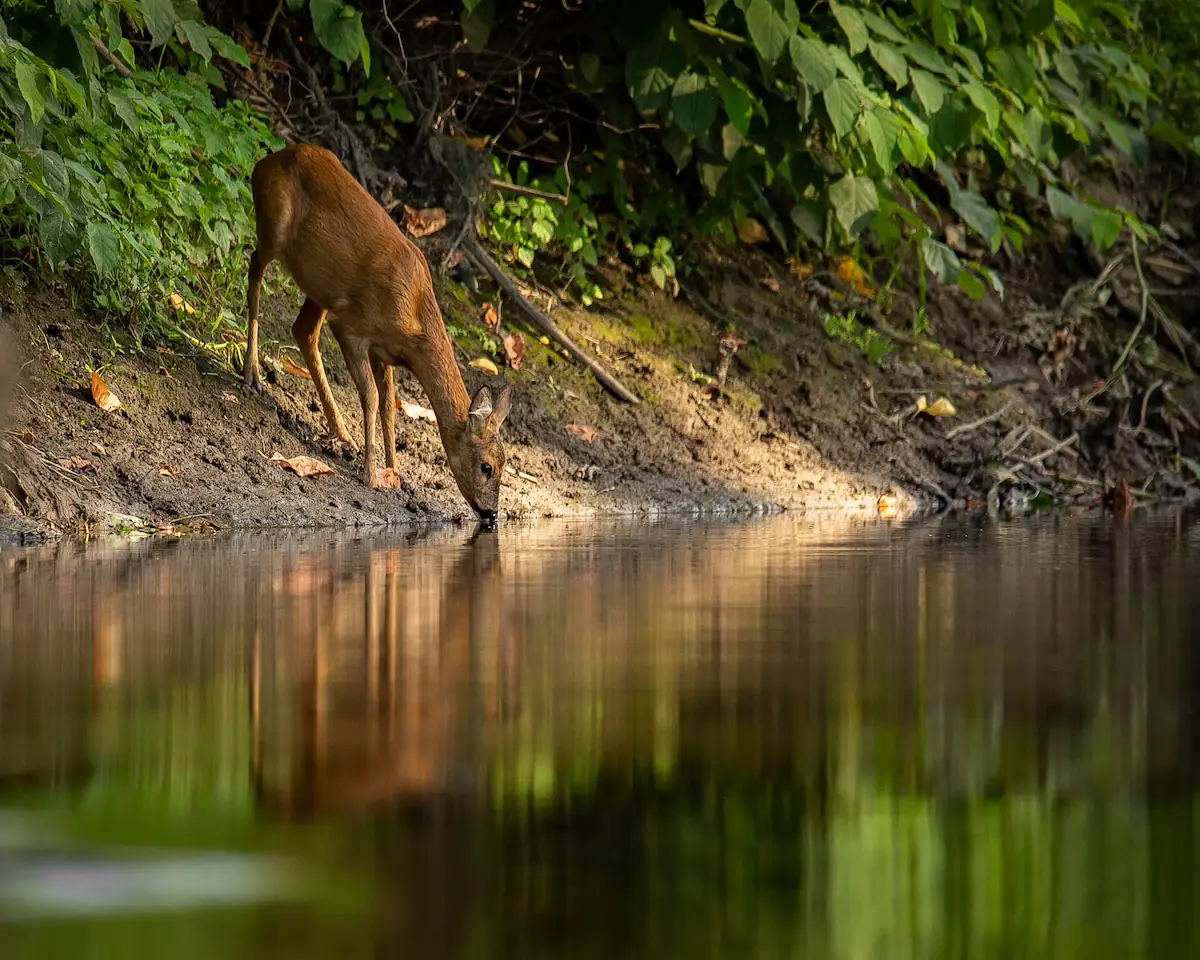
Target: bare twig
527 191
266 40
1145 403
1137 331
1057 448
981 422
484 261
1015 445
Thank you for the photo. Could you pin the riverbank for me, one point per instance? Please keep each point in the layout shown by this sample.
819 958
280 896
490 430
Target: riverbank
809 418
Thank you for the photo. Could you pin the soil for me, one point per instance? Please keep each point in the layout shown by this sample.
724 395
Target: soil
804 422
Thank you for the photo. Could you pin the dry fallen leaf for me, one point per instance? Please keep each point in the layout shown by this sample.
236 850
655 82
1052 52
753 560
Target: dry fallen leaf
922 403
851 273
750 231
142 448
416 412
27 437
544 341
75 463
176 301
888 506
581 431
489 314
483 363
166 471
388 478
941 407
98 449
422 223
800 271
771 284
229 397
291 366
105 399
514 349
302 466
456 257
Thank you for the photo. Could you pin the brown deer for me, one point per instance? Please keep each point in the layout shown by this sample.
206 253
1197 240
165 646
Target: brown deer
351 260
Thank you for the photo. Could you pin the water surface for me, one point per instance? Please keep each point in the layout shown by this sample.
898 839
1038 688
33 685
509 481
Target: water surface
784 738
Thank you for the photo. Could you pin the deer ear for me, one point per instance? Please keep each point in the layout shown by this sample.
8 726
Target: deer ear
481 407
503 405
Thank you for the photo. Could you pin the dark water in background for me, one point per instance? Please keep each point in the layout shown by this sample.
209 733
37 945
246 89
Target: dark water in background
621 740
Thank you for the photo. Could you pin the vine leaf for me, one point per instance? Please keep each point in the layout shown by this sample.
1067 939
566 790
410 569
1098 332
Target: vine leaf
694 102
771 24
27 83
843 104
940 259
104 246
930 90
339 29
812 62
852 26
651 69
853 198
891 61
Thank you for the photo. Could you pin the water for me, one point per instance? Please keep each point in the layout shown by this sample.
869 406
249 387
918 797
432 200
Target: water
777 739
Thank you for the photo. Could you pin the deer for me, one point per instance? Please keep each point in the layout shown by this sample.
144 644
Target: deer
355 265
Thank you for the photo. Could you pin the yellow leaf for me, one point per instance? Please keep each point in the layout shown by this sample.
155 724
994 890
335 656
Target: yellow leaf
750 231
941 407
483 363
416 412
176 301
922 403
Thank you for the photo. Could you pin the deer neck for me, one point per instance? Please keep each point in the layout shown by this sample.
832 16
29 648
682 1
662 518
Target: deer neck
437 372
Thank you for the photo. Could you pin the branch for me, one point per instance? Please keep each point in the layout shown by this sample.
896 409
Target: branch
108 55
485 262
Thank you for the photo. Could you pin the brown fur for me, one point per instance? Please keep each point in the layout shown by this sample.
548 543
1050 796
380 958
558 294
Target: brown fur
356 266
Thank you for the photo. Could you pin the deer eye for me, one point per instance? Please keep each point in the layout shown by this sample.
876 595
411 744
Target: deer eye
485 469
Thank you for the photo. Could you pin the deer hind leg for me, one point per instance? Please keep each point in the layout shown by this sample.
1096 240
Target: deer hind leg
307 333
250 371
358 362
385 386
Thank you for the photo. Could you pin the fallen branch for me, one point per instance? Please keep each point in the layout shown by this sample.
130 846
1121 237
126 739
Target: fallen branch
485 262
981 422
1057 448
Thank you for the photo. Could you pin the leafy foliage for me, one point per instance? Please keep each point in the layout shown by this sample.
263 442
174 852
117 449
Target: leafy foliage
140 182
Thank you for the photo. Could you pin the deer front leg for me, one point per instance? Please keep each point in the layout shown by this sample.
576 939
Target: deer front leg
358 362
385 385
307 333
251 374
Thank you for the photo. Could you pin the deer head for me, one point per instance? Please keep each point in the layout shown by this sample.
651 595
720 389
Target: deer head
476 454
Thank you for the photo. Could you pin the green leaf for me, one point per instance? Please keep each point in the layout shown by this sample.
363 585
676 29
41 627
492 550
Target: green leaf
1106 228
104 247
651 69
950 129
160 20
339 29
27 83
843 105
883 130
940 259
694 102
891 61
914 147
812 62
226 47
123 108
1039 17
73 12
985 101
58 236
852 26
1015 68
930 91
853 198
477 24
882 28
739 106
525 255
976 213
970 284
771 24
196 38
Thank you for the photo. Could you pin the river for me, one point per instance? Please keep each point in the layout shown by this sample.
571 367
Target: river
780 738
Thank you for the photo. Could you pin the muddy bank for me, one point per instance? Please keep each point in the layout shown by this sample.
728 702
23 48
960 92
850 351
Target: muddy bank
805 421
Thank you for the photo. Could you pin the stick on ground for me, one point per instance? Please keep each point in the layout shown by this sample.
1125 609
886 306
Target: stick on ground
493 269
